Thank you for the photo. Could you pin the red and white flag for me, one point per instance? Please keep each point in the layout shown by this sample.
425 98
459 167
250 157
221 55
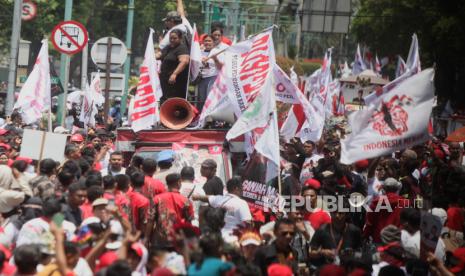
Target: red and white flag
359 65
34 98
335 100
195 55
398 120
91 98
413 67
145 109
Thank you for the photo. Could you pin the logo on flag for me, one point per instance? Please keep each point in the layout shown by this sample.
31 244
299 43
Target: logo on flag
391 118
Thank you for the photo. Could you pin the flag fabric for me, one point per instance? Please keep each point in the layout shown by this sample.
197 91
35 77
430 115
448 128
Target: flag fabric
247 65
34 97
91 98
335 100
400 69
398 120
195 55
359 65
346 72
145 108
377 66
412 67
294 77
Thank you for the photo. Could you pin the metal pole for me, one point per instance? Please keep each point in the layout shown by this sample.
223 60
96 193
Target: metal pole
206 25
299 29
85 53
15 35
64 71
107 81
127 64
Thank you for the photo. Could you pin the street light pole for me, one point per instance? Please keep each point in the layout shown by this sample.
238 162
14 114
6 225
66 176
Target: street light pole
206 26
127 64
15 35
64 71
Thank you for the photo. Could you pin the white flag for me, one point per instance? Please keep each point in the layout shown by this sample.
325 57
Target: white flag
96 90
145 109
359 65
195 55
257 114
397 121
400 69
377 65
88 107
412 67
34 97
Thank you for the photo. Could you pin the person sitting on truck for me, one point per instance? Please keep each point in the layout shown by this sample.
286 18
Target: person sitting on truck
165 160
214 184
152 186
116 165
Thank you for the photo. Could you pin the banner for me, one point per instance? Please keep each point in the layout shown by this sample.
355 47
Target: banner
247 66
259 192
399 120
34 97
145 109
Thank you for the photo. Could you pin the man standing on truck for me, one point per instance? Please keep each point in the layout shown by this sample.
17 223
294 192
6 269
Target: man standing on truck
214 184
165 160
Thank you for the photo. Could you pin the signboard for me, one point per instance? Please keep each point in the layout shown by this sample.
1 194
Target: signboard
29 11
99 54
39 145
327 16
69 37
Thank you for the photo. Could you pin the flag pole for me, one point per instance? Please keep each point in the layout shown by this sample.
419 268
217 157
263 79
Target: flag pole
189 70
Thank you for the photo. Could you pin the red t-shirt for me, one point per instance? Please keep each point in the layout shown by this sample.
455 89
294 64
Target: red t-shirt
317 218
122 201
153 186
455 219
86 209
137 202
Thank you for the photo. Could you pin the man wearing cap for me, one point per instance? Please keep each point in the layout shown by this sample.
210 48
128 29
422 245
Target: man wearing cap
175 20
214 184
116 165
165 160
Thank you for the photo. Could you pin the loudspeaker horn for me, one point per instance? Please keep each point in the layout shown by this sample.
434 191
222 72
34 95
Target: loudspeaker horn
176 113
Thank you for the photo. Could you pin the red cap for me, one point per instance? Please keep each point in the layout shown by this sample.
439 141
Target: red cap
3 131
319 218
138 248
459 253
28 160
279 270
77 138
332 270
106 260
362 164
311 182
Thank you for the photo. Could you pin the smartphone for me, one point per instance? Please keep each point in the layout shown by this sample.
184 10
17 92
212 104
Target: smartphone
58 219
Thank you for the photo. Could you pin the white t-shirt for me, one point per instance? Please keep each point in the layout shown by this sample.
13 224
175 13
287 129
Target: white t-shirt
307 167
411 243
37 231
237 212
186 189
210 69
185 26
104 172
82 268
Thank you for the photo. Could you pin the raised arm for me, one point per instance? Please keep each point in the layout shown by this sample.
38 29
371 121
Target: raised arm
181 10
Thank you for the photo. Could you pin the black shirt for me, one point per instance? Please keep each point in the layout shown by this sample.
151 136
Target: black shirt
324 238
72 215
213 186
170 61
268 254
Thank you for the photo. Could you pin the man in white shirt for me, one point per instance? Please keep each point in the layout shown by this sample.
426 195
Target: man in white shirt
189 188
175 20
311 161
410 219
116 165
237 209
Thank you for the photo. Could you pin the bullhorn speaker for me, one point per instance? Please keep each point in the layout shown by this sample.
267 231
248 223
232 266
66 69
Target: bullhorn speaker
176 113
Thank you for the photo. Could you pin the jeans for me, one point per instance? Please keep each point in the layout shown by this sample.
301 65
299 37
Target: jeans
203 88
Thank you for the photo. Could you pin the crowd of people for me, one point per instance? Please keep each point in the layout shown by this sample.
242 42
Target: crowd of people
97 213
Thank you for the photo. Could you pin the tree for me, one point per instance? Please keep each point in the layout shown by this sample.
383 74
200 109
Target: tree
386 26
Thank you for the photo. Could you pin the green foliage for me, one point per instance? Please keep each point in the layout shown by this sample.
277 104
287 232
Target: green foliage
386 26
309 67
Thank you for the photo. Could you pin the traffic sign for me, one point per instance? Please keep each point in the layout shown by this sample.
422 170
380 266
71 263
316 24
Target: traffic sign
99 53
69 37
29 11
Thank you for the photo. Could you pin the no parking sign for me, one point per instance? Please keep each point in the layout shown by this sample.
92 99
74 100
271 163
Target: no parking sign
69 37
